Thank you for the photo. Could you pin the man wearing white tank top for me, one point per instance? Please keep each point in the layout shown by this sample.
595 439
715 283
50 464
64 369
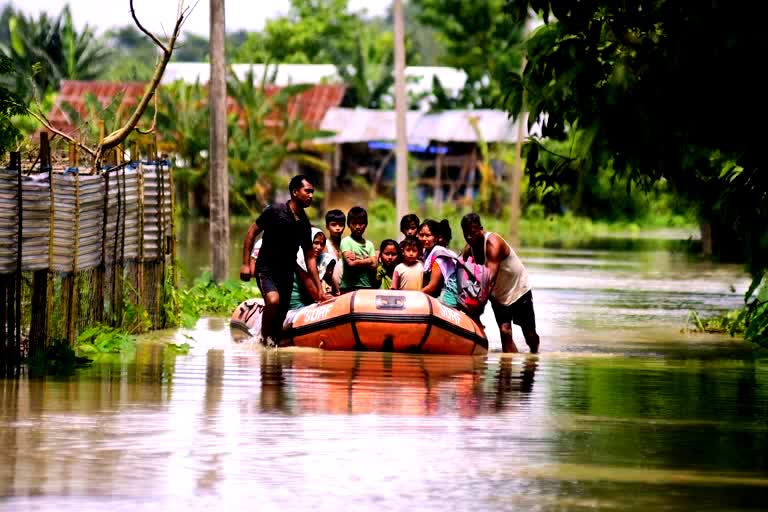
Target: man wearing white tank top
511 297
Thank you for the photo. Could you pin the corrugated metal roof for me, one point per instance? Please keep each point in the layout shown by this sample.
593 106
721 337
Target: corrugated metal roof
363 125
456 126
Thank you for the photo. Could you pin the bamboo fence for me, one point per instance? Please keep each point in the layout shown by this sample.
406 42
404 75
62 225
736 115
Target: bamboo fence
78 249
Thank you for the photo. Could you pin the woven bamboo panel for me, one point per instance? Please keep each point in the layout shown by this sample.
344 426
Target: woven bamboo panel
136 207
78 205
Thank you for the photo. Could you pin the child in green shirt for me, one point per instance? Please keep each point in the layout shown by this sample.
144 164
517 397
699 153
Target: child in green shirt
360 258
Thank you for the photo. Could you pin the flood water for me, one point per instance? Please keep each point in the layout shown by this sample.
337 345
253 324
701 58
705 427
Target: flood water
620 411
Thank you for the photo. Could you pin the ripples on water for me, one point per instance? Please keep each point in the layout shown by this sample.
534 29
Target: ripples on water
621 411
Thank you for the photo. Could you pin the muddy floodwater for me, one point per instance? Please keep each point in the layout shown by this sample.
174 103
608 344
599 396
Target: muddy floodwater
621 411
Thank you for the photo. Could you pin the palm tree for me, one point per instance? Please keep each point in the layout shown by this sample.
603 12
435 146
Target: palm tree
182 122
54 50
369 74
264 138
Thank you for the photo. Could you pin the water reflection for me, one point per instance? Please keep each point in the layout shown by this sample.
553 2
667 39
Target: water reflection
241 423
313 382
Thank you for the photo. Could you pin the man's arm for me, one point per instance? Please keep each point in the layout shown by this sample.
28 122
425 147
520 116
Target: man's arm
318 294
494 255
305 280
250 238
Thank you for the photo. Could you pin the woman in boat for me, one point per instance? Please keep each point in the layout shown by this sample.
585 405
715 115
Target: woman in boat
439 262
301 295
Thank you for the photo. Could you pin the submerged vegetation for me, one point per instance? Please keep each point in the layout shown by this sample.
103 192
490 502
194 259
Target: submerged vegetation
751 321
58 358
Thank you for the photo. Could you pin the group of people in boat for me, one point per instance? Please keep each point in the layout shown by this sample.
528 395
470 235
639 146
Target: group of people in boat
296 264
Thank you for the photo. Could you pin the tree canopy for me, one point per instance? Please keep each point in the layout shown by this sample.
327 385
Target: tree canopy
659 91
479 38
10 105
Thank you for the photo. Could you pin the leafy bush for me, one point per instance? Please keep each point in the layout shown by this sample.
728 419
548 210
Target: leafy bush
102 339
751 321
187 305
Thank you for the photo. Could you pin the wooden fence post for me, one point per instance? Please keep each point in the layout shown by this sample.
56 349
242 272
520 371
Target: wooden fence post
39 324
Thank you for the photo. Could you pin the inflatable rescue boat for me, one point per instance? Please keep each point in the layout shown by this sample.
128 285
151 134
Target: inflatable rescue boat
374 320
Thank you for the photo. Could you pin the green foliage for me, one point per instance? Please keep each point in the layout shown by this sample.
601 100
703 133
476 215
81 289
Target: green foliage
57 47
427 49
537 227
637 81
633 78
102 339
58 359
177 349
367 69
88 123
182 122
135 318
133 55
751 321
264 138
309 33
756 313
192 48
326 31
10 106
599 193
478 38
186 305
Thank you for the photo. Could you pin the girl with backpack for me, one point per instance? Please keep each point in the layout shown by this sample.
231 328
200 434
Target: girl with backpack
439 262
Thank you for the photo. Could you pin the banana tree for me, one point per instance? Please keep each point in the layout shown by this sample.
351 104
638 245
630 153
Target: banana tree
489 185
182 124
264 137
369 71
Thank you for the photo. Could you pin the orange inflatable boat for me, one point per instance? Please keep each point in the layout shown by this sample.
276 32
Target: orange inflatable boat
375 320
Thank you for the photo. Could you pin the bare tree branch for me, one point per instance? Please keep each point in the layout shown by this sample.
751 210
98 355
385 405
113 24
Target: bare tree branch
149 34
118 136
154 119
42 120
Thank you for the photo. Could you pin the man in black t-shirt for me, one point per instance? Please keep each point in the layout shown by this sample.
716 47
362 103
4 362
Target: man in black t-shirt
285 229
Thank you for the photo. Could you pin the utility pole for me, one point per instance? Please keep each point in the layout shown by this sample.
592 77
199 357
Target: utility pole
401 148
516 177
218 171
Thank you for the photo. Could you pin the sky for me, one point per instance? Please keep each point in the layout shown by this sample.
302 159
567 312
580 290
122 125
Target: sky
159 15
